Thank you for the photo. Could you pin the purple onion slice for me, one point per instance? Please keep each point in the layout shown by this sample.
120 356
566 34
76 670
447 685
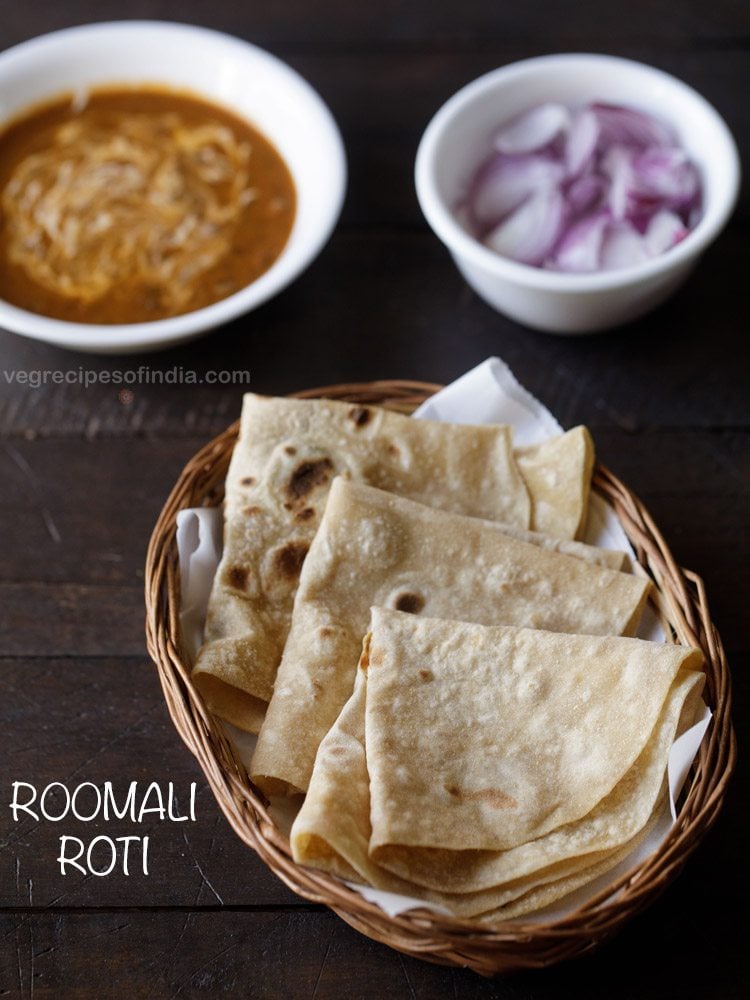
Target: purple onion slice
622 246
507 182
533 129
667 174
585 193
579 250
665 230
529 234
581 142
632 128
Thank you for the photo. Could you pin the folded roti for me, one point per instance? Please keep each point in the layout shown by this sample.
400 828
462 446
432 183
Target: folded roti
376 548
287 454
544 893
332 831
611 558
541 727
557 473
340 820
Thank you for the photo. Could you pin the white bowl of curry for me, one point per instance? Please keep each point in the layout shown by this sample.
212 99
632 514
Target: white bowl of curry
156 180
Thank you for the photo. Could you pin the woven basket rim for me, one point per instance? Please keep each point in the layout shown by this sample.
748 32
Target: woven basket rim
503 946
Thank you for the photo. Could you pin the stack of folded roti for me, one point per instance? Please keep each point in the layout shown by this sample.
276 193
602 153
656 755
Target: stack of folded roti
373 547
493 770
286 457
499 740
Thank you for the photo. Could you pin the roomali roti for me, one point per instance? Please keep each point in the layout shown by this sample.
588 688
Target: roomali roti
375 548
448 793
286 456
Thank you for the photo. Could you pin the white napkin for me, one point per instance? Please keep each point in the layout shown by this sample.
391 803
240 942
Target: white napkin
491 394
199 552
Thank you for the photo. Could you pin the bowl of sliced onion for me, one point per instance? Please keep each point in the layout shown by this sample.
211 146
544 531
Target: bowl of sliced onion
576 192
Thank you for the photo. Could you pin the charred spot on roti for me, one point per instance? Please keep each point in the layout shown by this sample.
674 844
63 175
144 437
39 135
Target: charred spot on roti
336 751
247 481
393 450
305 514
493 797
252 511
237 576
375 657
325 632
290 449
426 675
360 415
306 477
409 602
288 559
317 690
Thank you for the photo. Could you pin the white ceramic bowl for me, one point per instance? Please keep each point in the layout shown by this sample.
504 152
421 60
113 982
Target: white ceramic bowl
459 138
244 78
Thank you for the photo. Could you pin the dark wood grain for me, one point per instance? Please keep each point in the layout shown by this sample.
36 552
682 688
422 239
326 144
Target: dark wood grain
394 23
41 619
83 475
48 493
104 719
283 954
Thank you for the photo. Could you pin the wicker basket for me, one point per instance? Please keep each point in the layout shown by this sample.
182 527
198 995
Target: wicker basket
487 950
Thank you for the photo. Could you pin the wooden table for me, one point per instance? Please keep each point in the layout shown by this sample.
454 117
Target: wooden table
84 474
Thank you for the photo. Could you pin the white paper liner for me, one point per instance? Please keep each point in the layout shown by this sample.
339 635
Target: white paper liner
199 552
488 393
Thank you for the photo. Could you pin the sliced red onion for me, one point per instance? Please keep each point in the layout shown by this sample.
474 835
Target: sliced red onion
529 233
665 230
508 181
622 246
597 188
616 164
533 130
581 142
585 192
667 174
579 250
632 128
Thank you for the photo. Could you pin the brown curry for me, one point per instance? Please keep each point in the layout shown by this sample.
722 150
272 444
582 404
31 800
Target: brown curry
136 205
